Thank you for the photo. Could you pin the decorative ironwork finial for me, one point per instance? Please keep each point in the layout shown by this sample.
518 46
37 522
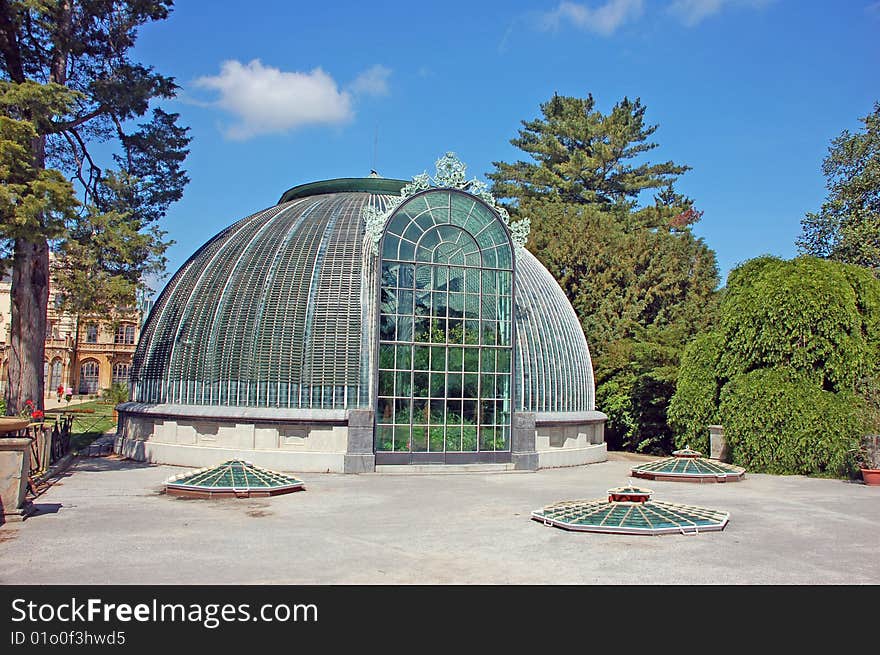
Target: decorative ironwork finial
451 173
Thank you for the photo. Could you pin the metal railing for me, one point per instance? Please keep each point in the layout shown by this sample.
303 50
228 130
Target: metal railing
50 441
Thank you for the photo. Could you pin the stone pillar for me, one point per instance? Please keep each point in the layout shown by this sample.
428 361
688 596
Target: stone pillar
717 443
15 464
359 455
522 446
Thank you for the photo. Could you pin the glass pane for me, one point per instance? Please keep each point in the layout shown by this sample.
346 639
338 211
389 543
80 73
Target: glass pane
404 357
487 438
438 358
420 384
471 360
453 412
435 438
389 247
420 358
404 329
386 383
437 412
387 326
453 438
385 438
389 275
471 380
404 384
472 332
402 410
454 384
405 302
421 330
419 438
456 358
407 250
386 356
469 438
438 385
406 276
385 411
401 437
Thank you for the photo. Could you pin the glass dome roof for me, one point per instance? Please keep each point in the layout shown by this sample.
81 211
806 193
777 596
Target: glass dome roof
232 478
630 510
278 311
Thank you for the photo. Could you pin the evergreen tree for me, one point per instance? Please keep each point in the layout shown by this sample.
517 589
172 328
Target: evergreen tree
635 274
67 83
847 227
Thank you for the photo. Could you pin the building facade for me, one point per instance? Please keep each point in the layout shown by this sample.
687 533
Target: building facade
85 354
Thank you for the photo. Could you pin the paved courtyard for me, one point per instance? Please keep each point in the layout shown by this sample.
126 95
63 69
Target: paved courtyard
107 520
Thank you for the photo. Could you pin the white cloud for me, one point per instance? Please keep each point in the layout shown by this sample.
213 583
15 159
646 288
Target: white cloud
267 100
693 12
372 82
604 19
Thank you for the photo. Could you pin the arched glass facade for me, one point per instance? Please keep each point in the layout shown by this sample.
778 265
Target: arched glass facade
445 332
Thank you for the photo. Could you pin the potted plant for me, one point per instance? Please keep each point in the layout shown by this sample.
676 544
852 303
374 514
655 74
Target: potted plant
868 458
116 394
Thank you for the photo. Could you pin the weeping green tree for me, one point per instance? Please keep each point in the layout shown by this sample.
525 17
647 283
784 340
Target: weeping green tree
67 83
790 368
610 226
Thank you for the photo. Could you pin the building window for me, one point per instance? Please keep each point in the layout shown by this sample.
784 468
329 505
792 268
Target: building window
49 326
88 379
55 375
120 374
91 333
445 323
124 334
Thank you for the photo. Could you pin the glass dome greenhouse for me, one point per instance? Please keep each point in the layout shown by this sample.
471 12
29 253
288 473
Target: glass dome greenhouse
363 322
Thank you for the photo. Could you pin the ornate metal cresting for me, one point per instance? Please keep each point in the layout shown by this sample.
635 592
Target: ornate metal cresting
451 173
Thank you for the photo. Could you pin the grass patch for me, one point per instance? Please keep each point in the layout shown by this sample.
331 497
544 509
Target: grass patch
90 421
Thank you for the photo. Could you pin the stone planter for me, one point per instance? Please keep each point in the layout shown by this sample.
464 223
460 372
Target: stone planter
14 468
717 443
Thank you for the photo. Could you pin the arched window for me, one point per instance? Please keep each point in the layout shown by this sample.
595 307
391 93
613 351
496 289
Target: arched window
120 374
445 324
88 379
54 375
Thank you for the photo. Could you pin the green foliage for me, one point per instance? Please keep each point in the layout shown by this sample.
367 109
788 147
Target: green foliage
847 227
583 156
67 83
693 406
635 379
69 92
810 315
779 421
791 368
116 393
641 283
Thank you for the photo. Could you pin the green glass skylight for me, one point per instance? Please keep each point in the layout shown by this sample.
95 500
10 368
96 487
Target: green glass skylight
688 466
634 516
232 478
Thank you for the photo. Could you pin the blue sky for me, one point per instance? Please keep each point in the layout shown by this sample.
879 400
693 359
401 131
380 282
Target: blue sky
748 93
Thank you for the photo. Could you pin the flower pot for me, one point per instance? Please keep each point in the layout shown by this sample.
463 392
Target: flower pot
871 476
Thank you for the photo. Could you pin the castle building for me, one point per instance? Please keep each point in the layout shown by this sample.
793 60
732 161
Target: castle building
85 353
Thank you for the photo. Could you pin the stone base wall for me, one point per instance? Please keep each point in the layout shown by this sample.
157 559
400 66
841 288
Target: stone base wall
570 440
340 442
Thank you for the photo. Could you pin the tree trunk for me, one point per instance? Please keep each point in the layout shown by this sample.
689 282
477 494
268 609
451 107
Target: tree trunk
30 295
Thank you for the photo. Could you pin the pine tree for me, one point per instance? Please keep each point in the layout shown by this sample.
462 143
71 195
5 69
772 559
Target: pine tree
847 227
638 278
67 83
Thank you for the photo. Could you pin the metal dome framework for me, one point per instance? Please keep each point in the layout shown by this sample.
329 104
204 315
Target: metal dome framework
275 312
363 321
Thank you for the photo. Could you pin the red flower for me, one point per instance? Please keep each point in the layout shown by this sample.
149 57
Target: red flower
38 415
